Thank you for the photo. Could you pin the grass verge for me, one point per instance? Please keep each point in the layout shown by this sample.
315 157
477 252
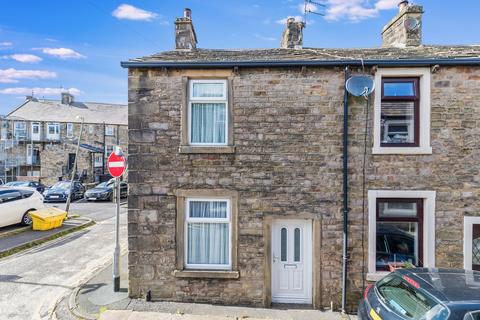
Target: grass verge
35 243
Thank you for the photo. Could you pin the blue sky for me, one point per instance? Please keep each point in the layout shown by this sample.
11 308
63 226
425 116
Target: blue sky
78 44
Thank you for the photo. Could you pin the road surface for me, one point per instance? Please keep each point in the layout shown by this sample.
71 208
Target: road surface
33 281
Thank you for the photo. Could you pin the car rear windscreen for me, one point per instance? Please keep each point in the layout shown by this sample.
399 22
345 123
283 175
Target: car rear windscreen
406 301
473 315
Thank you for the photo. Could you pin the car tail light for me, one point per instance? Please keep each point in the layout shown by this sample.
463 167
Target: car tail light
412 282
367 289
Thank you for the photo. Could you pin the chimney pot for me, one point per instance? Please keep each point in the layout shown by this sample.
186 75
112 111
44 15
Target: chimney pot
187 13
402 5
185 37
292 37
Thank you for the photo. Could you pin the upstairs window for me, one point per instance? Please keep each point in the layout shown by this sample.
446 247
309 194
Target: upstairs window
109 130
207 112
69 130
20 130
400 114
53 131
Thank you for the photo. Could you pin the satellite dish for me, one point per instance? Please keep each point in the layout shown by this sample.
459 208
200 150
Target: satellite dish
411 24
360 85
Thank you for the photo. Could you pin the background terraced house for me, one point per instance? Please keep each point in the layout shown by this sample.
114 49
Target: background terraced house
236 166
39 138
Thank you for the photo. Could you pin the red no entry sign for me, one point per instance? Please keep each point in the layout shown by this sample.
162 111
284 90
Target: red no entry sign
116 165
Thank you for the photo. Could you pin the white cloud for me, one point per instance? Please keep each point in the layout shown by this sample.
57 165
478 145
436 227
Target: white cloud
386 4
284 20
129 12
12 75
62 53
5 45
309 7
356 10
25 58
40 91
264 37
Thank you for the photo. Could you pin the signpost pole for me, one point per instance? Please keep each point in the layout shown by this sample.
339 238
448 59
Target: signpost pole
116 253
116 167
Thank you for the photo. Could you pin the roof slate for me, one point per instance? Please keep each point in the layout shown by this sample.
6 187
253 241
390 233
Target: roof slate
54 111
313 54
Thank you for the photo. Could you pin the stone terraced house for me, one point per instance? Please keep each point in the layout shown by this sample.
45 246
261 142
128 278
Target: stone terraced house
39 138
236 175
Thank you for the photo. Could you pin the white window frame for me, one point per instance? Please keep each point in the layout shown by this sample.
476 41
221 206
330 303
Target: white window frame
15 129
90 129
424 106
468 223
109 130
192 99
227 219
98 164
428 226
38 135
107 151
56 135
69 130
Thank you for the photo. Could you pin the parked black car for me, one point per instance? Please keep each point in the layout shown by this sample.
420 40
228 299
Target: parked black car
60 190
421 293
104 191
30 184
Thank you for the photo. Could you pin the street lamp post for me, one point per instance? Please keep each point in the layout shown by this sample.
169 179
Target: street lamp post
74 169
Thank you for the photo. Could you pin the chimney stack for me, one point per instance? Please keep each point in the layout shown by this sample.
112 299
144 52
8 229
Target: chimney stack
67 98
292 37
185 37
405 29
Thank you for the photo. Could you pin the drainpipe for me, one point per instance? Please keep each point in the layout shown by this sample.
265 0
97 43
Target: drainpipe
345 194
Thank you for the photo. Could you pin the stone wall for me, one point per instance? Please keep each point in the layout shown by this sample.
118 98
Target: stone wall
288 162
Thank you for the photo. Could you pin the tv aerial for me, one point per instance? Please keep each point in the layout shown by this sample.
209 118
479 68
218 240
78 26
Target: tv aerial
310 7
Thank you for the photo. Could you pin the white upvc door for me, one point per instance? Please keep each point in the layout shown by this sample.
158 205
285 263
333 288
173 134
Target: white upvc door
292 261
35 131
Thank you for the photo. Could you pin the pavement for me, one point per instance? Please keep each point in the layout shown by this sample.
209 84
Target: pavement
31 282
95 299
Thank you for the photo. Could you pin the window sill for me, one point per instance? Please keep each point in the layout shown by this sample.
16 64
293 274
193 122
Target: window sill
206 149
375 276
402 150
211 274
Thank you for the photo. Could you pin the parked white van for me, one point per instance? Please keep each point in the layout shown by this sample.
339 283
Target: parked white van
16 203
